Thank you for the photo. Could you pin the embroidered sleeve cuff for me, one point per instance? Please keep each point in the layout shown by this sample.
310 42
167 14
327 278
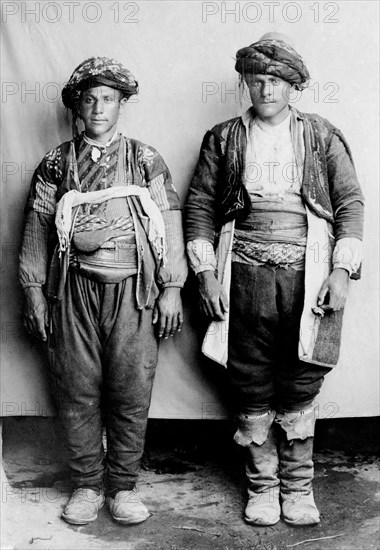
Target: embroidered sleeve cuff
201 255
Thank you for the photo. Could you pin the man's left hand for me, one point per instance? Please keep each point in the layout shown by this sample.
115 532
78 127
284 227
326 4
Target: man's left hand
168 312
336 285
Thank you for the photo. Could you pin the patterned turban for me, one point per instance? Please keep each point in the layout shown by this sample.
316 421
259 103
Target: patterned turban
98 71
275 57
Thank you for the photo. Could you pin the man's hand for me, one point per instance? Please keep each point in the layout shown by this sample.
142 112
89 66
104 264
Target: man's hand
336 286
36 313
214 301
168 312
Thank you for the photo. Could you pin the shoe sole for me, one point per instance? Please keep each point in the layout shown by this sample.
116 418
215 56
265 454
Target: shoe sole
130 521
301 523
260 524
75 521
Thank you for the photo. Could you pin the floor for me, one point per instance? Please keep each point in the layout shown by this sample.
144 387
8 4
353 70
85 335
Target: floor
193 485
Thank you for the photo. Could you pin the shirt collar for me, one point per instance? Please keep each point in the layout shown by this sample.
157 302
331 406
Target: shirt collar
100 145
249 116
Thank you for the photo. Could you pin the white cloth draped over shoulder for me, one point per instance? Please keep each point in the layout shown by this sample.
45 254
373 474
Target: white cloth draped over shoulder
64 218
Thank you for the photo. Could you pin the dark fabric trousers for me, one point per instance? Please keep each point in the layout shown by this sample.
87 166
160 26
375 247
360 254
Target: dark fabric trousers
264 370
103 355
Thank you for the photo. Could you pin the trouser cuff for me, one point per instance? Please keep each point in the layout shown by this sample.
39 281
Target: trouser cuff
253 428
96 488
299 424
113 491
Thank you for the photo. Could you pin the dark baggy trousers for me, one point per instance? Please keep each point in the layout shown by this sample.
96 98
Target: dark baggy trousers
265 311
103 355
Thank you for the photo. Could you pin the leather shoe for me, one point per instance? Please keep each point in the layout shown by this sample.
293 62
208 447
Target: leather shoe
83 506
127 508
299 509
263 508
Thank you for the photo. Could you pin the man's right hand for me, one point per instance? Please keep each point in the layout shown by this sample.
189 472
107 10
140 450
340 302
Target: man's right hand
36 312
214 301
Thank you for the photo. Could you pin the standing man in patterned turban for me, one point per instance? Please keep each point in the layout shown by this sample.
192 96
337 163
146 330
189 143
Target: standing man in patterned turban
102 265
274 223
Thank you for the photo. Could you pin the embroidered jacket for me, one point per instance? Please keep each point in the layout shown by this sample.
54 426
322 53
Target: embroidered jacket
329 187
334 206
55 176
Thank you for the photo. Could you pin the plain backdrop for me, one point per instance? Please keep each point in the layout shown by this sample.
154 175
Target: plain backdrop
182 54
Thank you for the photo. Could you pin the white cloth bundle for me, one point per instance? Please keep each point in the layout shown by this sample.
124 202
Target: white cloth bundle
63 217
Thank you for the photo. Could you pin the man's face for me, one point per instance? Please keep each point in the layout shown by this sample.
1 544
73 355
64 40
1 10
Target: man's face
270 97
99 108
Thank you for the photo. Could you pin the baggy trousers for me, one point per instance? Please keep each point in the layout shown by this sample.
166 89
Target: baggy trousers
265 310
103 355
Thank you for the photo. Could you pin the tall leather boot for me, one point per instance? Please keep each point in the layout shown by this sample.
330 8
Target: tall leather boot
297 467
257 435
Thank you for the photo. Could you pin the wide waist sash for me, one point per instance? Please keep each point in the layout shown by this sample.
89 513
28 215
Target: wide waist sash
113 262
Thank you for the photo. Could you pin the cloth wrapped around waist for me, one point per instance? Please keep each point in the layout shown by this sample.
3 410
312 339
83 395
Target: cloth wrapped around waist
90 238
274 225
275 238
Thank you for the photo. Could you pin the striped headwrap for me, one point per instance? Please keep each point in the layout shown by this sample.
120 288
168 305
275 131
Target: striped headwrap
273 54
93 72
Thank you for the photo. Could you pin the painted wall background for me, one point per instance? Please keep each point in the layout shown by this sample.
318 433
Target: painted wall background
182 54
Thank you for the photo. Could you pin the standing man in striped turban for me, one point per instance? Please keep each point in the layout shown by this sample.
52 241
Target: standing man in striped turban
102 265
274 223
